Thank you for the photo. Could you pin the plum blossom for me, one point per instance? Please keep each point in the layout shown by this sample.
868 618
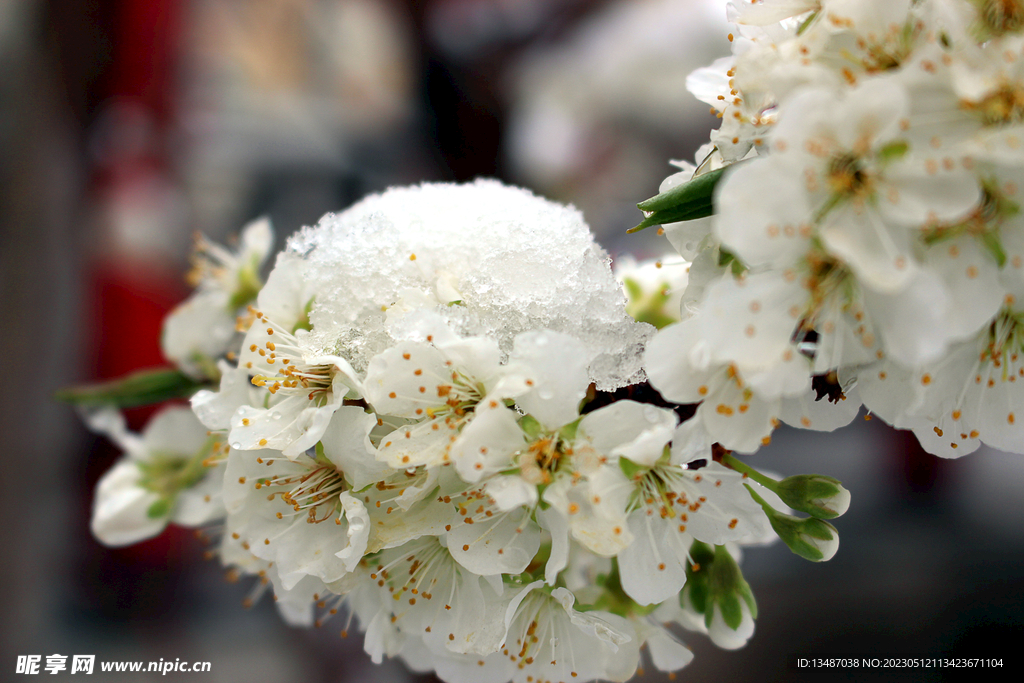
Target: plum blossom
201 329
169 474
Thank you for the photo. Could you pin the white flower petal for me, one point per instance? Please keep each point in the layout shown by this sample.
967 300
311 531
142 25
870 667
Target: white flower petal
120 513
630 430
346 443
504 543
556 365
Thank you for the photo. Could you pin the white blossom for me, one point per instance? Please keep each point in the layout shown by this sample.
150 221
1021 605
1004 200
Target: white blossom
169 473
201 329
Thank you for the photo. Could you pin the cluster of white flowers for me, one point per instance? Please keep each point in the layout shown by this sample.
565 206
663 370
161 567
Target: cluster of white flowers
867 231
434 415
415 424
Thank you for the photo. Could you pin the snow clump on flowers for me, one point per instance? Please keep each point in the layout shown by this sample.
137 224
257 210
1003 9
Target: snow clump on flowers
491 260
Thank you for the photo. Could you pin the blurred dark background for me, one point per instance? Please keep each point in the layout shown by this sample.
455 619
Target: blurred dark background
127 125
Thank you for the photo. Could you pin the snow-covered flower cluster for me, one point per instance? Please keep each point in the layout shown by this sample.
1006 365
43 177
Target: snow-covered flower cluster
867 239
416 420
442 415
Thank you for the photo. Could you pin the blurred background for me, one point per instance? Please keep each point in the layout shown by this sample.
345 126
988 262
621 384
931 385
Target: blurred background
128 125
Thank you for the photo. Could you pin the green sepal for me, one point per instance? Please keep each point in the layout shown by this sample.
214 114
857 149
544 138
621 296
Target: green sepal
806 23
207 366
991 241
727 587
321 456
727 259
729 607
647 308
656 319
801 491
167 474
303 322
702 554
689 201
614 599
633 289
631 469
665 459
539 561
159 508
793 529
697 584
814 528
894 150
530 426
249 286
568 432
141 388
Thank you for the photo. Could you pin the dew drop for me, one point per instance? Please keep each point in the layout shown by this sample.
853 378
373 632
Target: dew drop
275 415
237 446
545 394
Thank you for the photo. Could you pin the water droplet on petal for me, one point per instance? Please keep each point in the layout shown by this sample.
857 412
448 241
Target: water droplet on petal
237 446
275 415
652 414
546 394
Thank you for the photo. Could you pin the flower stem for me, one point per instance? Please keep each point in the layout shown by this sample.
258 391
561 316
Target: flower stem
764 480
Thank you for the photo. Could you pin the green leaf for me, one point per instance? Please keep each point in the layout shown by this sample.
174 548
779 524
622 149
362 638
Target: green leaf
695 191
686 202
674 215
137 389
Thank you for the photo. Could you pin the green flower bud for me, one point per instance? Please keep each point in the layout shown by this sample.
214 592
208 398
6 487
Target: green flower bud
816 494
811 539
716 591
